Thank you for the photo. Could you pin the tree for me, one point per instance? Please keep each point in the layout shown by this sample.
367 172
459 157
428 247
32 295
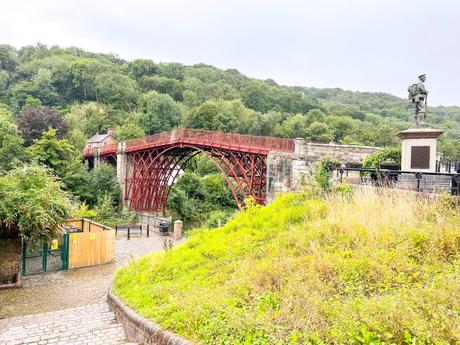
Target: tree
159 113
173 70
220 115
257 95
129 131
341 126
53 152
294 127
103 183
117 89
33 121
320 132
33 203
140 68
203 117
8 58
77 139
11 142
169 86
91 118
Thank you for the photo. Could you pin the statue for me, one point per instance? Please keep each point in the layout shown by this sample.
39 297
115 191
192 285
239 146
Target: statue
418 95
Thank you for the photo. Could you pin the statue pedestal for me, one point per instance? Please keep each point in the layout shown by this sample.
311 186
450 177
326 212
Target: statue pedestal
419 149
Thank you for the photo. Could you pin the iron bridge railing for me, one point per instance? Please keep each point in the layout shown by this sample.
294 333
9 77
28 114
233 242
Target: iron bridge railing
231 141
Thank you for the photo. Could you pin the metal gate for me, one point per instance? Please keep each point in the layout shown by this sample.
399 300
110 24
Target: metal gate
38 257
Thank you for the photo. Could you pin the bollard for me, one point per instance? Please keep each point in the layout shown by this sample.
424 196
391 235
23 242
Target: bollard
129 233
177 229
148 230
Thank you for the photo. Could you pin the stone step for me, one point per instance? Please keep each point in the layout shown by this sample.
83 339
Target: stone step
90 324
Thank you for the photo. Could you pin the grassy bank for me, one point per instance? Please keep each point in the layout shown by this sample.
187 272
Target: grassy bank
366 268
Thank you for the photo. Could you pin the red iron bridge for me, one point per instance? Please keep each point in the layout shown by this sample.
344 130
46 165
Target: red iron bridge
147 167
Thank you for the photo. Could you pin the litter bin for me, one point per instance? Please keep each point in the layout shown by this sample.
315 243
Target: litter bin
164 228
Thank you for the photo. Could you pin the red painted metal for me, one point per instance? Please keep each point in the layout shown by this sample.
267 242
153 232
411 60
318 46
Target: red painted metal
108 149
154 162
229 141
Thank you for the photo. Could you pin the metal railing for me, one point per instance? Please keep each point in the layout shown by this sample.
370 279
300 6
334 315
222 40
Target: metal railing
448 166
390 177
108 149
233 141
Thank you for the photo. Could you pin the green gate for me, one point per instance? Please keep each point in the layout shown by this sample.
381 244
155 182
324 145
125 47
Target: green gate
38 257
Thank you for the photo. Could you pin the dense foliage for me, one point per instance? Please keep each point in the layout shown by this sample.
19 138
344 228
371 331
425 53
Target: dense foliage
368 268
32 203
99 91
53 99
390 155
194 197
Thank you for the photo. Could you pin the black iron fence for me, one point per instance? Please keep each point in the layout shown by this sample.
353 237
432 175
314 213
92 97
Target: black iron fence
419 181
447 166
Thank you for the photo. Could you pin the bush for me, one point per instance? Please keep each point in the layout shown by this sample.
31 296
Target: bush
32 203
323 171
372 268
214 217
390 155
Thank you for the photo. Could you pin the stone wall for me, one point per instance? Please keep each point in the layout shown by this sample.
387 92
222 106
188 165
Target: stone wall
343 153
279 174
140 330
10 262
428 183
285 171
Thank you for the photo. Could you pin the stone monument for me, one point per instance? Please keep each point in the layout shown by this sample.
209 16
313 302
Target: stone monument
419 142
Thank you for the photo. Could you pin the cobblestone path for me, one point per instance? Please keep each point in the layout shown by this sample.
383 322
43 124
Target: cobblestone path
69 307
91 324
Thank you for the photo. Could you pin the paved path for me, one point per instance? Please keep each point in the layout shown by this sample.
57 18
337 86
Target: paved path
69 307
91 324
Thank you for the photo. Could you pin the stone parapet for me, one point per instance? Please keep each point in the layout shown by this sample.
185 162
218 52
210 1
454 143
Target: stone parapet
139 329
343 153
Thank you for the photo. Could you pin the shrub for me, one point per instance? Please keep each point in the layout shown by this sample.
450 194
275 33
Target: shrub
32 203
385 155
323 171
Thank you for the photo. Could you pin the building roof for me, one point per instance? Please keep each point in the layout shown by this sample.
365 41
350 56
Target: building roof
99 138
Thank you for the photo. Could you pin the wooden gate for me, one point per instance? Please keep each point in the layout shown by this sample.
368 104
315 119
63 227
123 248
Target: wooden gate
93 245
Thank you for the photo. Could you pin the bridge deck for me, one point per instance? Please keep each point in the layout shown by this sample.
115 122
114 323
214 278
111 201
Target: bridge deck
228 141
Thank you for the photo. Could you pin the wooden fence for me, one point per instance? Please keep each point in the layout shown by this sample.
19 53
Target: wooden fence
93 245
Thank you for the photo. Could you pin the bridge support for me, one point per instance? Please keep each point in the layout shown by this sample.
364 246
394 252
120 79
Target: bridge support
121 167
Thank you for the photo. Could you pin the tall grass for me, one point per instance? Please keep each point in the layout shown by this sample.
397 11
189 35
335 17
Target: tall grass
368 268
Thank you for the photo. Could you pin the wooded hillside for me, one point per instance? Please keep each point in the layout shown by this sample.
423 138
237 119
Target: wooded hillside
94 92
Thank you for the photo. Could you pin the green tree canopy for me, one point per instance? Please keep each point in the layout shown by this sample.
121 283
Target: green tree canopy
33 203
11 142
55 153
129 131
159 113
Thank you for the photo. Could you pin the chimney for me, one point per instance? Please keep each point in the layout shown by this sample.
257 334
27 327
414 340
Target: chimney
111 132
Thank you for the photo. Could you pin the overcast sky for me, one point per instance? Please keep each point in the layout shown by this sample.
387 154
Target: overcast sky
366 45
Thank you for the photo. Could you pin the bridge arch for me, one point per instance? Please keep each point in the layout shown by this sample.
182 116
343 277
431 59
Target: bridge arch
147 167
154 171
